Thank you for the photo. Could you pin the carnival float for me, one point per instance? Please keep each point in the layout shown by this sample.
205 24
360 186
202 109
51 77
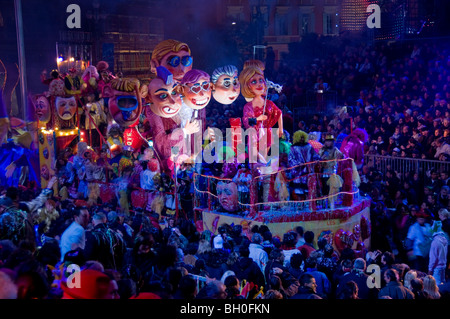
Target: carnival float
97 131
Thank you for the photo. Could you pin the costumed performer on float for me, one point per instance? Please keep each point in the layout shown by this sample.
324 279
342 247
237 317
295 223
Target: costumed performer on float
301 152
165 124
330 154
353 146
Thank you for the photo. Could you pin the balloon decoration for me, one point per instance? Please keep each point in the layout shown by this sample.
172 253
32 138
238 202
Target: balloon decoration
343 239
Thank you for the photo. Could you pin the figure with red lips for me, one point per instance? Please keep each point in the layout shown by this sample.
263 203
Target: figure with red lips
125 106
260 110
42 108
226 86
66 110
195 89
165 123
227 193
174 55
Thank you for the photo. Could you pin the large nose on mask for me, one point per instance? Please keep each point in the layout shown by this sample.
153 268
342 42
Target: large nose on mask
127 106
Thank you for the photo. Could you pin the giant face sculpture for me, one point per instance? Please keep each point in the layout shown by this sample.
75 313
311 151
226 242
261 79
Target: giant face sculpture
257 85
42 109
196 89
125 105
66 108
228 196
252 81
174 55
164 98
226 86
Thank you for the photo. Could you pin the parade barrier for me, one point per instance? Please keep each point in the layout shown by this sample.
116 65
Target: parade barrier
333 210
405 166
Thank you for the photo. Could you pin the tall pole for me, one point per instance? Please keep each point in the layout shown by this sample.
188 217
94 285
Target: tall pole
21 55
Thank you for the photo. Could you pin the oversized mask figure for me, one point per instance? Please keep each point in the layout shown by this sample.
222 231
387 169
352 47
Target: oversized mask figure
226 86
228 196
42 108
126 103
66 107
165 101
174 55
196 89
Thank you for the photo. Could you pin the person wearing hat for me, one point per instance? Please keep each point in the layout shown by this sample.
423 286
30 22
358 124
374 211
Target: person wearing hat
301 152
330 152
396 152
418 241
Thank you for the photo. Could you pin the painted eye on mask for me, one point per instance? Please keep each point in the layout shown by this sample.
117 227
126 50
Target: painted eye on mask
226 84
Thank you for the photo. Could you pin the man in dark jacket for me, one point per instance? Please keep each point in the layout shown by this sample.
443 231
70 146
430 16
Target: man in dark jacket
394 288
307 289
359 276
275 266
104 244
246 268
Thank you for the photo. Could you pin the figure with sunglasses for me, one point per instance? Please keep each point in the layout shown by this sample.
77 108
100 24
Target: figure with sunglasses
164 121
195 88
259 109
174 55
125 107
226 87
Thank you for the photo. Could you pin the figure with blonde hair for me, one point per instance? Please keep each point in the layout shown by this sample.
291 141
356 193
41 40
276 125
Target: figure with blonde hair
174 55
260 113
409 276
254 63
430 287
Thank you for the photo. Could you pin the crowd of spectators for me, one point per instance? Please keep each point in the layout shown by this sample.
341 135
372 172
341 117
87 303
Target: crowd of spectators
399 95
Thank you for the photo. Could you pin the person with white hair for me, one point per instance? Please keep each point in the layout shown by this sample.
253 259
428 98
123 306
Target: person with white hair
359 276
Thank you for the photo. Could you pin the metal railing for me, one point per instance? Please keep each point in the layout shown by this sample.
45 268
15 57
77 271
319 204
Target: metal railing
311 179
405 166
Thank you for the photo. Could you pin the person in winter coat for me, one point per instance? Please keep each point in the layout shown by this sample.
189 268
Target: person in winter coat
307 288
394 289
275 267
246 268
257 252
